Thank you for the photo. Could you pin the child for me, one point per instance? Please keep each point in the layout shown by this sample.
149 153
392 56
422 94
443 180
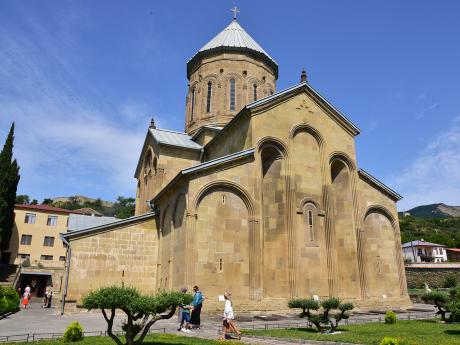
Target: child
25 300
186 310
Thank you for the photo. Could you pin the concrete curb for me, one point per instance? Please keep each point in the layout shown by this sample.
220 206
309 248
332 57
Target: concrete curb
6 315
299 341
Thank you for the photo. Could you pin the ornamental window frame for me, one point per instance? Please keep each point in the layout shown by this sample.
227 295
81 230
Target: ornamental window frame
232 94
192 104
310 224
209 98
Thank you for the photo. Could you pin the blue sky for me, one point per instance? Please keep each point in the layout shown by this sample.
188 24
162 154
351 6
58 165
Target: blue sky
81 79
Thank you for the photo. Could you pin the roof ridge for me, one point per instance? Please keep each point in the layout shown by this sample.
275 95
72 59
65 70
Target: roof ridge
169 130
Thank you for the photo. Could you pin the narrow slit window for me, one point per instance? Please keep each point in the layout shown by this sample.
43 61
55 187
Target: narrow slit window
192 111
255 92
232 94
221 265
310 225
208 100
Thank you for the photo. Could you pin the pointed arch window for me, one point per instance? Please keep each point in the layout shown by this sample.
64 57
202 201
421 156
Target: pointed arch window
254 87
208 99
232 94
192 110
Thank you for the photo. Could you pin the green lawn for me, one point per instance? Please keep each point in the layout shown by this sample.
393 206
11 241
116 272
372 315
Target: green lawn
419 332
154 339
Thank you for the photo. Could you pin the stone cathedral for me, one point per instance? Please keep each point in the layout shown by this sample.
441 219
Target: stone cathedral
261 195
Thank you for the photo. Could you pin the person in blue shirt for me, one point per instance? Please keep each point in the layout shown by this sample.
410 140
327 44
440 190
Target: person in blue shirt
197 303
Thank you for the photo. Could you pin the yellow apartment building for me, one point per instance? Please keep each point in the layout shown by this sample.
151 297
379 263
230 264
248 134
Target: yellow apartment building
36 247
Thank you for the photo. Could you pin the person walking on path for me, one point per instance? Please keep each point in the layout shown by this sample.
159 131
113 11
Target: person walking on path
25 299
197 304
50 298
228 323
45 299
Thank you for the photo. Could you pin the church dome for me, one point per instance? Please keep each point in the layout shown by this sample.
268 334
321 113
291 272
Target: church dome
232 39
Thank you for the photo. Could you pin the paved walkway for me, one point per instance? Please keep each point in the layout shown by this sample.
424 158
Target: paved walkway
37 320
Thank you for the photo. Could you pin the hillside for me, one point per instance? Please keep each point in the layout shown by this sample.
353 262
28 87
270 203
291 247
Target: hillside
445 230
81 199
122 208
434 211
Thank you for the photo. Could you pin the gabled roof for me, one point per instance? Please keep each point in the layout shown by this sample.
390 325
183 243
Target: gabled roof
45 208
291 92
89 211
380 185
203 166
304 86
172 138
233 38
107 227
202 128
457 250
80 221
168 138
421 244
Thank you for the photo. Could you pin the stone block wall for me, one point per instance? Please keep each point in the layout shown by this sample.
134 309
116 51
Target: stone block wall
434 277
125 256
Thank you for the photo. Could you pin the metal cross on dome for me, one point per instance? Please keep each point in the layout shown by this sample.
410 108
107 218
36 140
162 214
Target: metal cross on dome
235 10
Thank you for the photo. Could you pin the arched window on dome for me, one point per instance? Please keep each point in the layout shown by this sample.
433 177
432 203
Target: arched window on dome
254 87
192 107
208 99
232 94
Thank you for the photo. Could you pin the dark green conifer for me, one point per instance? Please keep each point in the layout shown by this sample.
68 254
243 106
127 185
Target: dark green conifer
9 179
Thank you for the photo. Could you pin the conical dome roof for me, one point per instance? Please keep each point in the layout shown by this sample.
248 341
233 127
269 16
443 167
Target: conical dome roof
233 38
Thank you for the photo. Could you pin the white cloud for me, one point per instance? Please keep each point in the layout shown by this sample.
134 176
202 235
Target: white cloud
65 143
434 175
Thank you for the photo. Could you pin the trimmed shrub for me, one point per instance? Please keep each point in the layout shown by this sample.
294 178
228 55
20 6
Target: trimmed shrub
389 341
9 300
73 333
321 313
4 305
450 281
141 311
390 317
446 303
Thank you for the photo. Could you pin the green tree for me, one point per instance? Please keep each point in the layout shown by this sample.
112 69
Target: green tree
9 179
124 207
141 311
22 199
446 303
47 201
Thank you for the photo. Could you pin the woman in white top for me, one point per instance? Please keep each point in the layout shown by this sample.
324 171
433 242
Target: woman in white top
228 323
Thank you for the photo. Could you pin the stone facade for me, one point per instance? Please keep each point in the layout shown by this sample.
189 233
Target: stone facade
271 206
210 84
120 255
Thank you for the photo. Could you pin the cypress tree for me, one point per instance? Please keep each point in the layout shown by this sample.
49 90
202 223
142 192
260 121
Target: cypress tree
9 179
